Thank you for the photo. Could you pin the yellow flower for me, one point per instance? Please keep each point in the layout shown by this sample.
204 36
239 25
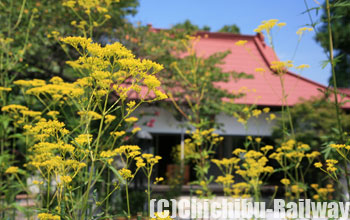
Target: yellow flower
258 140
300 31
36 182
266 110
316 197
126 173
90 114
53 114
296 189
302 66
267 25
117 134
139 162
83 139
131 119
13 108
158 179
259 69
238 151
47 216
5 89
267 148
281 66
109 118
30 113
12 170
241 42
135 130
285 181
158 216
318 165
256 112
108 153
281 24
337 146
199 192
313 154
66 179
151 82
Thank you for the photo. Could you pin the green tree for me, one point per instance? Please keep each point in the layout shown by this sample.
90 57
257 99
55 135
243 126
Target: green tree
313 121
32 27
188 26
234 29
340 14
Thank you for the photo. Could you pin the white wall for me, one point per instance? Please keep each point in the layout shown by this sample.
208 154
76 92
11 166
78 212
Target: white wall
166 123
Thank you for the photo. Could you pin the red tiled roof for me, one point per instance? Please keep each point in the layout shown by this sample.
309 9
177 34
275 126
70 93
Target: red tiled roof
265 88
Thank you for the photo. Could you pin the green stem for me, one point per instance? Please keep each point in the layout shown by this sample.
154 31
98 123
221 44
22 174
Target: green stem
108 185
331 57
127 198
149 194
48 194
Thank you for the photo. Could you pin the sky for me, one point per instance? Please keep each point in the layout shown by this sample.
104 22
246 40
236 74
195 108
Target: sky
247 15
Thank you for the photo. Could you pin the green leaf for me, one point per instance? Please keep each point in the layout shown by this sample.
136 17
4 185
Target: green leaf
324 63
19 208
120 178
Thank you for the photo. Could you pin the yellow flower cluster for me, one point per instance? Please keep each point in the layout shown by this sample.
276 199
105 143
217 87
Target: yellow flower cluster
13 108
53 114
293 152
302 66
246 113
89 6
151 159
131 119
285 181
117 134
126 174
102 59
109 119
56 89
199 137
266 149
52 156
323 193
300 31
226 180
159 216
135 130
260 70
340 146
240 189
30 83
268 25
331 165
12 170
158 179
280 67
296 189
226 162
129 151
83 139
90 115
47 216
5 89
241 42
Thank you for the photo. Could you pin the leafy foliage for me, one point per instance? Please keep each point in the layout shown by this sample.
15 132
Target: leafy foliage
312 122
234 29
340 13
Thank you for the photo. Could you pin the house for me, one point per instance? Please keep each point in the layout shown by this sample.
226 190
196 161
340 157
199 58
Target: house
264 90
